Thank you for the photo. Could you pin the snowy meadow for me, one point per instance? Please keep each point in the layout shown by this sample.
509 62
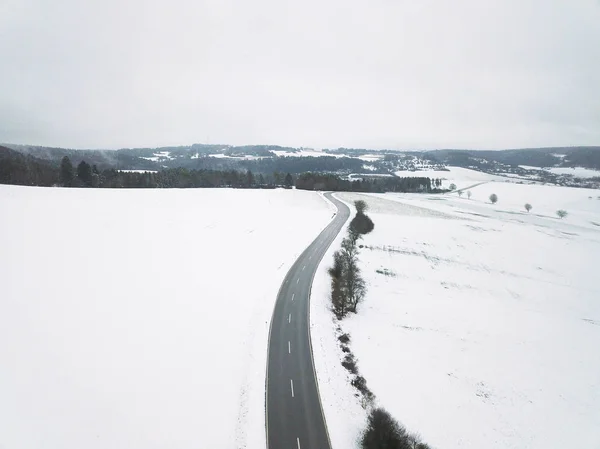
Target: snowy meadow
481 324
139 318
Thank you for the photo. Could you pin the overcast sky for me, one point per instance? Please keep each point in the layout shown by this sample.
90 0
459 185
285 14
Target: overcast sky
314 73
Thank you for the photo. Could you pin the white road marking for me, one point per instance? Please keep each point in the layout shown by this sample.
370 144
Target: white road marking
289 348
297 280
293 296
290 318
292 385
298 440
303 267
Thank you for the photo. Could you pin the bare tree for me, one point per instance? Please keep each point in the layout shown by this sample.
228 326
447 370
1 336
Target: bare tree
336 272
561 213
354 285
528 207
493 198
356 289
469 194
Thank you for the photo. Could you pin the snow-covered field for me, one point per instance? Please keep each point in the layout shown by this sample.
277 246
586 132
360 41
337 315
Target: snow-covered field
159 156
370 157
301 153
577 172
139 318
530 167
461 177
246 157
583 205
487 333
370 175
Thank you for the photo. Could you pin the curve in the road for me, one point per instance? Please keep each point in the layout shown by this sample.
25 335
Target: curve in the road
294 415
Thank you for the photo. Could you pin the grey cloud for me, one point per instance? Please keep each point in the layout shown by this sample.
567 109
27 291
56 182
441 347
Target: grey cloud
378 73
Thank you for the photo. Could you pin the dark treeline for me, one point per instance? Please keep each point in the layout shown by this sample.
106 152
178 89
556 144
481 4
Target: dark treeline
20 169
585 157
16 168
301 164
588 157
293 165
197 157
182 178
320 181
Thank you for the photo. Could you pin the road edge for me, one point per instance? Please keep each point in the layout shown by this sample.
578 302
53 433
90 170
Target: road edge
310 345
322 195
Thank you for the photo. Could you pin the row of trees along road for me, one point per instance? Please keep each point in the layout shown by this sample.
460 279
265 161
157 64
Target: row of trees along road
348 288
16 168
328 181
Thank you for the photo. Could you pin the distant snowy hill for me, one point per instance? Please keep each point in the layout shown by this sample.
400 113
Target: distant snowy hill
565 166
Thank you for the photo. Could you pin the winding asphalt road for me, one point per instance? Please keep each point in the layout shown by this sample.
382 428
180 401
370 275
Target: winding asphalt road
294 415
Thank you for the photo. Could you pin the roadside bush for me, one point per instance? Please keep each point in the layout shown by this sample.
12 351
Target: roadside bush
338 297
528 207
460 193
350 363
493 198
452 186
561 213
384 432
344 338
348 288
361 224
360 383
361 206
